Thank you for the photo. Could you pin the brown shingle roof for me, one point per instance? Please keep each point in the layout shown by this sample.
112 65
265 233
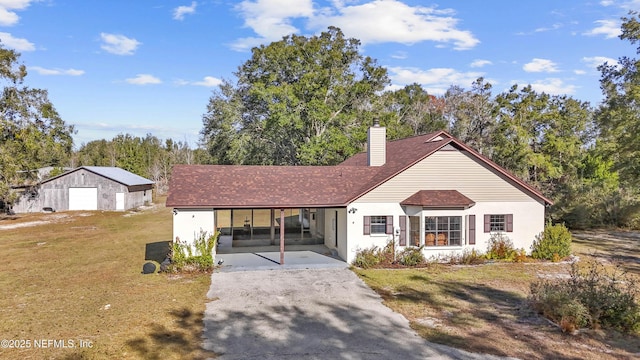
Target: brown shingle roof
237 186
438 199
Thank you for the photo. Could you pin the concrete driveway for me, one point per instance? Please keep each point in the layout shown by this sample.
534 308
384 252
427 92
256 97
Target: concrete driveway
324 313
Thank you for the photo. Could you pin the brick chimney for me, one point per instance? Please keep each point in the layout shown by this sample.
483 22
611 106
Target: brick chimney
376 145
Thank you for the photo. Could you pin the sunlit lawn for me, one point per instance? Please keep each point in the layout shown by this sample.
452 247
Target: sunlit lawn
79 278
484 309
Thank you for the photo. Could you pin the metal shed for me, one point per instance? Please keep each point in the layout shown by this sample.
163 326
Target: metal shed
86 188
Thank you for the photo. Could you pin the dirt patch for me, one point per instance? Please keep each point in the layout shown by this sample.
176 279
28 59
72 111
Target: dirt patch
33 220
614 247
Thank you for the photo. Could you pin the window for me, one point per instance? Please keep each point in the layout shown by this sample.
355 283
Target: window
443 230
498 222
378 225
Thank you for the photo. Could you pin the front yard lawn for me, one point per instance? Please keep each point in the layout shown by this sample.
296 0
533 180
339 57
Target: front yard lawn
76 276
484 309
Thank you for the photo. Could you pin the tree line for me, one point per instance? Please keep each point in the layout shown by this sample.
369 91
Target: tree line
309 101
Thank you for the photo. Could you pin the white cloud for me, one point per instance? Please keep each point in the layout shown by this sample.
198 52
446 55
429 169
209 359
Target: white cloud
435 81
545 29
181 11
608 28
397 22
595 61
400 55
270 20
207 81
119 44
45 71
8 17
143 79
480 63
540 65
553 86
16 43
394 21
579 72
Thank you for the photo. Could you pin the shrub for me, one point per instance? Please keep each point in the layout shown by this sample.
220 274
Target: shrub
467 257
411 256
592 297
500 247
554 243
367 258
184 258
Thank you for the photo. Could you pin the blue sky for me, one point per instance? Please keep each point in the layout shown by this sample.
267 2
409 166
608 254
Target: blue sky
150 66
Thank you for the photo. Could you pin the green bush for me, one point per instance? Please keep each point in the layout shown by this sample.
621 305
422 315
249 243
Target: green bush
367 258
553 243
500 247
411 256
199 257
592 297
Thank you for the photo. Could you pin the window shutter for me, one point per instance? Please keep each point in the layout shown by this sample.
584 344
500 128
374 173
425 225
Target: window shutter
403 230
487 223
509 219
367 225
389 225
471 226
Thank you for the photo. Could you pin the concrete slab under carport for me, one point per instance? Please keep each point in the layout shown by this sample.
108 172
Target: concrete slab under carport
249 261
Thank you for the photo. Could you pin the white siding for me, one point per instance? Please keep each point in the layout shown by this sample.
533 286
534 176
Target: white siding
528 221
330 223
448 170
187 223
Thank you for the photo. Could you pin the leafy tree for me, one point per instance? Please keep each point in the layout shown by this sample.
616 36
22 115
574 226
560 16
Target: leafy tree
410 111
32 134
619 114
148 157
471 115
618 118
299 101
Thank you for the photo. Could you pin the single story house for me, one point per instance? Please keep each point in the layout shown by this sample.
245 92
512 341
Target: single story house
430 190
86 188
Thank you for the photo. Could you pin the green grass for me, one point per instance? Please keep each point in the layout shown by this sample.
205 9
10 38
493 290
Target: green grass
79 278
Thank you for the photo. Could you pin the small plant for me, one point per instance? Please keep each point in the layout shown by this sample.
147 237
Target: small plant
520 256
198 257
367 258
375 256
592 297
554 243
500 247
411 256
467 257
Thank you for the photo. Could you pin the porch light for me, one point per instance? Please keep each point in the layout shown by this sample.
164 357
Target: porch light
352 210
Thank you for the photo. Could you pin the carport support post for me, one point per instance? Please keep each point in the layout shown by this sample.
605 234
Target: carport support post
281 236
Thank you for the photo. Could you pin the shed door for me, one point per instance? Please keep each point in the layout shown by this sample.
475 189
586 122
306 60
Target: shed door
119 201
83 198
